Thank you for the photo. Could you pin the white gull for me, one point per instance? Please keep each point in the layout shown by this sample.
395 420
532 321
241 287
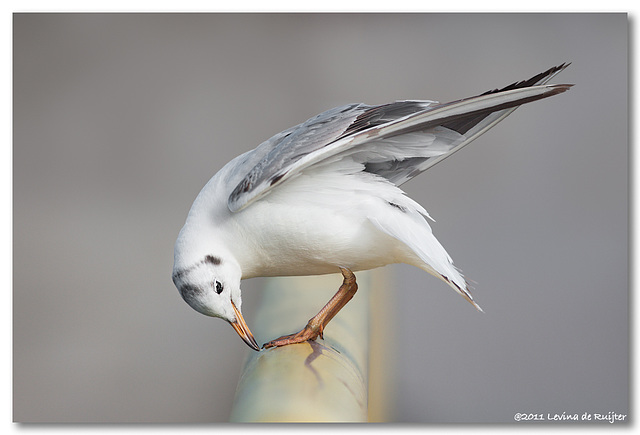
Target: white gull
324 196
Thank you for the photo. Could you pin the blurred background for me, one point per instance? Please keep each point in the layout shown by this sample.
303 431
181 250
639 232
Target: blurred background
120 120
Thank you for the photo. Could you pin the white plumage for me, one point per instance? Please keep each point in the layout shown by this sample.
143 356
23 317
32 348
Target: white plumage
324 195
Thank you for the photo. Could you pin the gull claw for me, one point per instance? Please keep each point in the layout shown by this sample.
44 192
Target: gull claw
307 334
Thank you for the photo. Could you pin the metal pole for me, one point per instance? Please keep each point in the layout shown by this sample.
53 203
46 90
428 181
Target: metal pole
320 381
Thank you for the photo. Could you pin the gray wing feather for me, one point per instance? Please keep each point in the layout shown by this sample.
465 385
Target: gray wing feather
285 149
468 127
396 141
275 158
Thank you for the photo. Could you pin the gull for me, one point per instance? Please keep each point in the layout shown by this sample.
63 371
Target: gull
324 196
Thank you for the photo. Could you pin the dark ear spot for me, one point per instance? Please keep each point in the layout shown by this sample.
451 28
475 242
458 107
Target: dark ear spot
212 260
188 291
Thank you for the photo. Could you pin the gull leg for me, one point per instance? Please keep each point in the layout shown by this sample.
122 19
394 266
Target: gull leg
317 323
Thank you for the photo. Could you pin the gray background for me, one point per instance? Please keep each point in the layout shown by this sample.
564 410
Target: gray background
119 120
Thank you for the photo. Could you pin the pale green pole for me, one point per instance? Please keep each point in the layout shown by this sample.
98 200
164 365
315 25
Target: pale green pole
322 381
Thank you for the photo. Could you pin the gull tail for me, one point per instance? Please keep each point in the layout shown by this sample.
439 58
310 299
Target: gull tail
406 222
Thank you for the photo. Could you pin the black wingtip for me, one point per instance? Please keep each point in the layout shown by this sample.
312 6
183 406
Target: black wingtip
538 79
558 89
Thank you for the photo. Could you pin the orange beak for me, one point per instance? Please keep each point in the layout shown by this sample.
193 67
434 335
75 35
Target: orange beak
243 330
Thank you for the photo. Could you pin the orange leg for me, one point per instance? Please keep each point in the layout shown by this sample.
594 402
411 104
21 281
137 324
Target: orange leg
317 323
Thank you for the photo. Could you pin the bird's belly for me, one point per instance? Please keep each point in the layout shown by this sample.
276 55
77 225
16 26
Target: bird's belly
309 241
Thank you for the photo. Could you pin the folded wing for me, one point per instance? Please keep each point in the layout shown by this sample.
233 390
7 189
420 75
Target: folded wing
396 141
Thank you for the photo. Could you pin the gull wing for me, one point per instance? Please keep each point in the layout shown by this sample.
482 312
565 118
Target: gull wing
396 141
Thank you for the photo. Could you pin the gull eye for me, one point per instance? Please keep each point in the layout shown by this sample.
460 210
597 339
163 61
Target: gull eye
219 287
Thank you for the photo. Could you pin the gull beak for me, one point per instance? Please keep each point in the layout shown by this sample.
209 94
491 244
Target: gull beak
242 329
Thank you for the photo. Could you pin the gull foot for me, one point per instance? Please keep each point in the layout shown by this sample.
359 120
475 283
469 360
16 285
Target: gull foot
316 324
308 333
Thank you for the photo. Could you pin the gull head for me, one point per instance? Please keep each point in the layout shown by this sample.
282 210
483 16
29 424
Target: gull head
211 286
